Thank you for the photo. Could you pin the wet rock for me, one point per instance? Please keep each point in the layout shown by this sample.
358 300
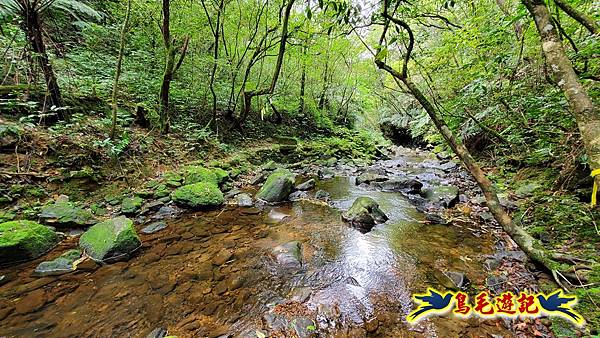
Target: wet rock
458 279
372 324
444 196
130 205
4 279
364 214
298 195
32 302
322 195
222 257
198 195
59 266
260 178
289 254
301 294
87 265
275 217
448 166
25 240
486 216
232 193
370 177
326 173
154 227
435 218
306 185
110 240
304 327
63 212
400 184
159 332
244 200
166 212
278 186
235 283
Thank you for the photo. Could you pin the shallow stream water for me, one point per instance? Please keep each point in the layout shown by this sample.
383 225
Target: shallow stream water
214 273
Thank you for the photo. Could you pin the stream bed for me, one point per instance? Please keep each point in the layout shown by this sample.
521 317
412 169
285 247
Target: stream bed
290 269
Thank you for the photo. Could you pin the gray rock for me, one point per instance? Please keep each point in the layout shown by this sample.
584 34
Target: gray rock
322 195
459 279
400 184
159 332
370 177
166 212
298 195
110 240
304 327
364 214
232 193
443 196
289 254
306 185
326 173
154 227
59 266
244 200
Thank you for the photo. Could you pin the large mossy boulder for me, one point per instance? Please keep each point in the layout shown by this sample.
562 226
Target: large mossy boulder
198 195
197 174
442 196
110 240
364 214
278 187
24 240
63 212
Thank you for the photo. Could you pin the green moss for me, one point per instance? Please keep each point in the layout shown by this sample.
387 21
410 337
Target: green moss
196 174
65 212
20 240
221 175
131 204
198 195
110 239
161 190
278 186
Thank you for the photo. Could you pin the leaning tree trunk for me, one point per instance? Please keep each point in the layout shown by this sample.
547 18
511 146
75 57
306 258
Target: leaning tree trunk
578 16
33 29
586 114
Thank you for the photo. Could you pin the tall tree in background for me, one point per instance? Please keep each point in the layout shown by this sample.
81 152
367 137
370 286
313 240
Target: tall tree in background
248 95
32 14
582 107
170 66
118 70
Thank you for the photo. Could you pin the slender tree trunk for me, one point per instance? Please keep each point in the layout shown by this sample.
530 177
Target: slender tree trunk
118 70
303 82
282 44
578 16
169 66
33 30
586 114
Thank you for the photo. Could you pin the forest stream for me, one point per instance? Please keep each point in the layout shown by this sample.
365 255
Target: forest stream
269 270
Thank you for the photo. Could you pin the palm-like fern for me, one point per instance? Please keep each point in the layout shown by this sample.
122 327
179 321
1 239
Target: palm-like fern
11 8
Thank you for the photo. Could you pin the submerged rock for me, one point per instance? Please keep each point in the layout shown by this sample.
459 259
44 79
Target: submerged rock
306 185
298 195
444 196
154 227
64 212
289 254
25 240
370 177
244 200
59 266
198 195
131 204
278 186
400 184
110 240
322 195
364 214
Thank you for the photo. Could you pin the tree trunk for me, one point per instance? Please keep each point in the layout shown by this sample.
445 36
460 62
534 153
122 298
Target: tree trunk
303 86
580 17
282 44
33 29
118 71
586 115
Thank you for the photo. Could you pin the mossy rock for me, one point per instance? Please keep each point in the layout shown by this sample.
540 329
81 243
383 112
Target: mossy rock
198 195
161 190
197 174
278 187
131 204
25 240
222 175
63 212
59 266
110 240
364 214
